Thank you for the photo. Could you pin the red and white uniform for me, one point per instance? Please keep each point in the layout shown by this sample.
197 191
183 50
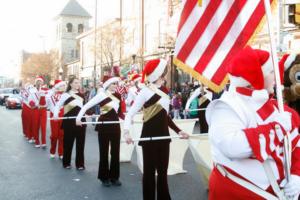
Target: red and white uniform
134 90
41 116
247 132
25 111
57 133
132 94
33 113
230 119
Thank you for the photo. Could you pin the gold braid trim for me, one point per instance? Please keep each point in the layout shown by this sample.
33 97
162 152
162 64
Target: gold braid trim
199 77
151 111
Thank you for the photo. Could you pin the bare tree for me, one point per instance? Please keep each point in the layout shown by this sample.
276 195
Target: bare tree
109 39
39 64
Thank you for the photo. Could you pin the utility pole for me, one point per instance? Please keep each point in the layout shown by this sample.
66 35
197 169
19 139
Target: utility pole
121 32
95 43
42 37
279 26
142 32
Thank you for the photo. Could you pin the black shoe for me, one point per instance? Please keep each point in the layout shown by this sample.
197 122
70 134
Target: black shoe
106 183
116 182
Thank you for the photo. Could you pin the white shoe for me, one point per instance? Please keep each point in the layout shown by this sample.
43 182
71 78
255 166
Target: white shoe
61 157
52 156
43 145
37 146
30 141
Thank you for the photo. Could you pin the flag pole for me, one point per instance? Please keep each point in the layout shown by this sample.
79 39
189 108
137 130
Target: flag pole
274 55
287 141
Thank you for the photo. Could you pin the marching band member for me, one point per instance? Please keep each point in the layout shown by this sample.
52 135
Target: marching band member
205 97
57 133
246 131
41 117
154 100
25 110
72 101
134 89
108 134
33 113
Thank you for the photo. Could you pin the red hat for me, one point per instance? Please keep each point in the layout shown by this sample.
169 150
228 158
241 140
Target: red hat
39 78
154 69
135 77
44 88
286 62
249 67
107 80
59 83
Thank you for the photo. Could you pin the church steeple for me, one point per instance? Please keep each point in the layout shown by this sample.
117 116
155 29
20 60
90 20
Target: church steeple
70 22
73 8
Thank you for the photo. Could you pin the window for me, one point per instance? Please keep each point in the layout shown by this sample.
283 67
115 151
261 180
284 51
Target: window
72 53
76 53
80 28
291 13
69 27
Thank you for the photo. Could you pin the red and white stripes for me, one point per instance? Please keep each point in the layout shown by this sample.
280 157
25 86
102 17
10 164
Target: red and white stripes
210 34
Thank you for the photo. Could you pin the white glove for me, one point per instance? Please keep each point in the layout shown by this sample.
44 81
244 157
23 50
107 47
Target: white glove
55 117
285 120
183 135
78 123
127 137
292 188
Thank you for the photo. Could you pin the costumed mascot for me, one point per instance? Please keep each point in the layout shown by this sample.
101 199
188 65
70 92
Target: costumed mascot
291 82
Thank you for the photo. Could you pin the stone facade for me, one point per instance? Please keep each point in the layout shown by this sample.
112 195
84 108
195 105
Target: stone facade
68 28
71 22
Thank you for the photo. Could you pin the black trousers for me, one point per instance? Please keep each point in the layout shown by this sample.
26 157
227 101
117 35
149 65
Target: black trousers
202 122
70 135
156 158
107 171
202 119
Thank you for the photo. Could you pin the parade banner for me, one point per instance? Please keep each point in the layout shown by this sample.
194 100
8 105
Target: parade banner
211 32
200 148
125 149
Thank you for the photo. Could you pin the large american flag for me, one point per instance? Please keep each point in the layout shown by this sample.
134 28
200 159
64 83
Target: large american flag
210 32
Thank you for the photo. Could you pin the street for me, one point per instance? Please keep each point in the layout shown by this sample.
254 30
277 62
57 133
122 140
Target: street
27 173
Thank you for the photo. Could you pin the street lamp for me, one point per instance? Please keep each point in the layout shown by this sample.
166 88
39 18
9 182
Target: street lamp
60 72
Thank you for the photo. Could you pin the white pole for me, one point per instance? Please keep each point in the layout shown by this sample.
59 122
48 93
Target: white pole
279 11
190 110
287 141
104 122
274 55
74 117
162 138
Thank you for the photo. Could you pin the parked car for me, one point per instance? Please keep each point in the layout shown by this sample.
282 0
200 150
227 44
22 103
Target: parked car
7 92
13 102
